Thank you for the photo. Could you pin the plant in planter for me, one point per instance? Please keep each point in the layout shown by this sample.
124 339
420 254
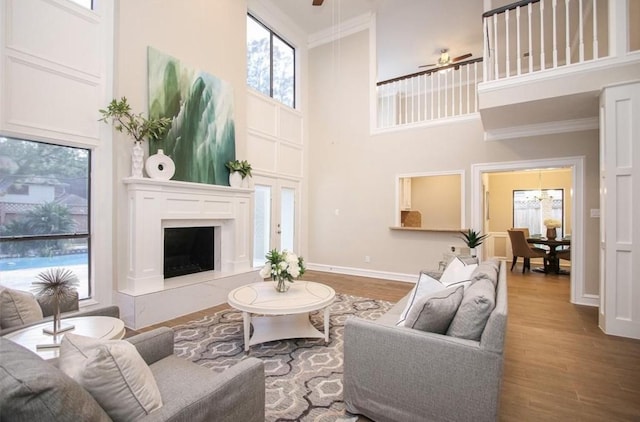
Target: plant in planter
56 285
119 114
473 239
240 171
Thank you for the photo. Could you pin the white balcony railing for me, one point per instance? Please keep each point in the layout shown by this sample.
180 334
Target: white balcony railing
534 35
444 92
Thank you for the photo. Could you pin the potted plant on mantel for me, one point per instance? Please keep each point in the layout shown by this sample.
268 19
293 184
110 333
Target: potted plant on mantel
137 126
239 173
473 239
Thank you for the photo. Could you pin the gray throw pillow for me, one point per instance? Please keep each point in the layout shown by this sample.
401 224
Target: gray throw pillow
487 269
18 308
474 310
34 390
434 312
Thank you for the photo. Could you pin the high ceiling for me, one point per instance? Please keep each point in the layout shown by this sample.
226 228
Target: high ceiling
409 33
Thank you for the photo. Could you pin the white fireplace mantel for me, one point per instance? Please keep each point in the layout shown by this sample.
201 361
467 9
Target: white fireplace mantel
155 204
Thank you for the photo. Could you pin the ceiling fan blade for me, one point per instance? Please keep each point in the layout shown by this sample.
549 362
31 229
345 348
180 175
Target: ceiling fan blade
317 2
427 65
464 56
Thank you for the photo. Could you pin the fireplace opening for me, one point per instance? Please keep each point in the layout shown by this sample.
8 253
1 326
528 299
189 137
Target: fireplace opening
188 250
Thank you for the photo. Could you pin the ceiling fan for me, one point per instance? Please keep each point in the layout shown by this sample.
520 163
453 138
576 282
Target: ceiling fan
445 59
317 2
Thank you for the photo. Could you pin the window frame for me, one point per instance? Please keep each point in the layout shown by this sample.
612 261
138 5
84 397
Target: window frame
273 34
66 236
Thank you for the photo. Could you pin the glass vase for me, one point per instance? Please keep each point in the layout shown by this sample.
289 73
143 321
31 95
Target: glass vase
281 284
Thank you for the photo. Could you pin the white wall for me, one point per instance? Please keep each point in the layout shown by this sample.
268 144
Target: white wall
55 73
354 172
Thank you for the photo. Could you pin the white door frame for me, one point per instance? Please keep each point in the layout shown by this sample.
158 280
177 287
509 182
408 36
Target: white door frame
577 165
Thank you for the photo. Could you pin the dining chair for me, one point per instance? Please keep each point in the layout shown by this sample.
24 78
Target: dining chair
520 247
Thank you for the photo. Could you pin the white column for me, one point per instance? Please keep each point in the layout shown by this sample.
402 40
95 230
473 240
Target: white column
618 28
620 286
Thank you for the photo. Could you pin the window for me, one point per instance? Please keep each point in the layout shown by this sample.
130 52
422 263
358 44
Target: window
84 3
532 207
270 63
48 227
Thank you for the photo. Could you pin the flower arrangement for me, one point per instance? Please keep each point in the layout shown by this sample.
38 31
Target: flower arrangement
552 223
282 266
243 167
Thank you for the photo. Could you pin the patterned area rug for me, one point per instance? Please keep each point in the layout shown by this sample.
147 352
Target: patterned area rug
303 377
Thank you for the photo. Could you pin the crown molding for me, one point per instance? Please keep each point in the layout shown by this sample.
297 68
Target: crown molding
343 29
538 129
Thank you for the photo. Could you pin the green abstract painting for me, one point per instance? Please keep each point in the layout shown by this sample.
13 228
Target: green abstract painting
202 134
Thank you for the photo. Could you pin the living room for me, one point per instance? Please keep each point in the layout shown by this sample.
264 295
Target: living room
343 171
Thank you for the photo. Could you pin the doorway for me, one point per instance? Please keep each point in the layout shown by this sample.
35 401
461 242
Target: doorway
276 216
480 200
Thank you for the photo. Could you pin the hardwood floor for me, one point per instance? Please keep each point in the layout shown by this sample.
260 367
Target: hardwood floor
558 365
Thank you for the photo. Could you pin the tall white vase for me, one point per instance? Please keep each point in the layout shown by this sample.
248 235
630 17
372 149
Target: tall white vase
137 159
235 179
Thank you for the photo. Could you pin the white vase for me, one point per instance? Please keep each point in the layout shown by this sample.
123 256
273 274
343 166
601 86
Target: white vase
235 179
160 166
137 159
246 182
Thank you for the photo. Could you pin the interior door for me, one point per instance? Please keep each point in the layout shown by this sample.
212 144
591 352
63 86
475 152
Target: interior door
276 216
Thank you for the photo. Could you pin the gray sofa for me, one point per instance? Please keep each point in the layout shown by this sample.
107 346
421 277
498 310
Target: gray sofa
32 389
395 373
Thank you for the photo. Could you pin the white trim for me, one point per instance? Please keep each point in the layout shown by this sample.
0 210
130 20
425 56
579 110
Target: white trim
385 275
373 76
538 129
426 123
341 30
559 72
577 165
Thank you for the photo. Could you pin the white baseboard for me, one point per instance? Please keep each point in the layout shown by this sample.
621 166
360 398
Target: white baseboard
385 275
588 300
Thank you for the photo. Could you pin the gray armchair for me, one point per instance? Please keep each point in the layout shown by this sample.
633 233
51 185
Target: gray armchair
33 389
68 309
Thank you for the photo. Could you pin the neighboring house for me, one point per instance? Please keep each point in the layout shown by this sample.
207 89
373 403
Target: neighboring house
327 151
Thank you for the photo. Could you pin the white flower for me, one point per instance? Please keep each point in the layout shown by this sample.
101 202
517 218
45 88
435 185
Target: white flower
265 271
291 258
294 270
552 223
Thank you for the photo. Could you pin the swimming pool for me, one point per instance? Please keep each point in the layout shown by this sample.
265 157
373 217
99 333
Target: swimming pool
10 264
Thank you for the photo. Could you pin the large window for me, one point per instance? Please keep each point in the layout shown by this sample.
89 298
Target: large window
270 63
44 211
531 207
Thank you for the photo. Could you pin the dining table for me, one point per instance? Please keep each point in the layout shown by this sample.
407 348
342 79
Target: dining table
552 256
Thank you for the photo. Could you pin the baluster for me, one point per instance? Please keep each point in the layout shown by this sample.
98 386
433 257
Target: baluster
439 77
406 102
595 29
530 12
475 87
423 115
413 98
495 48
567 22
446 93
506 44
543 63
432 106
518 49
485 46
581 29
467 67
459 90
554 4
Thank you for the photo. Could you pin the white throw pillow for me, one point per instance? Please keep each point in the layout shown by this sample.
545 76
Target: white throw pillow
114 373
424 286
457 272
18 308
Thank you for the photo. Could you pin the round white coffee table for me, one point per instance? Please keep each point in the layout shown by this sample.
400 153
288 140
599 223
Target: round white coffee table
102 327
286 315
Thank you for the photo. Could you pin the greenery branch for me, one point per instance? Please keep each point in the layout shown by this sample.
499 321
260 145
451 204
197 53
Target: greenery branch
136 125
